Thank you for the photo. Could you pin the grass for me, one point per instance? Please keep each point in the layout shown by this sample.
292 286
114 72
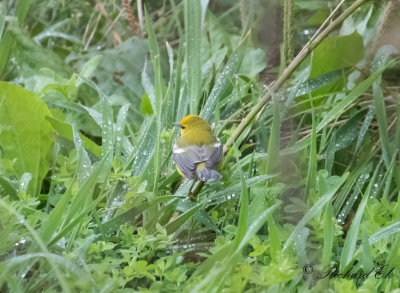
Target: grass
90 199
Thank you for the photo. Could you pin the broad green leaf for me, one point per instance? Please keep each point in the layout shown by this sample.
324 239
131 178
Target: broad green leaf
25 135
118 73
337 52
254 61
145 105
30 57
89 67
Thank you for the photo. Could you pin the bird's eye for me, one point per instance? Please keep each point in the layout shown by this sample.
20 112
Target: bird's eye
183 127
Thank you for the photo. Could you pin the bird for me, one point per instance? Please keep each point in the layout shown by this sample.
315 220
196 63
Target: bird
197 152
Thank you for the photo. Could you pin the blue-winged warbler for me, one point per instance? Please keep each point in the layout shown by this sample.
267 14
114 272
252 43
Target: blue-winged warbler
197 152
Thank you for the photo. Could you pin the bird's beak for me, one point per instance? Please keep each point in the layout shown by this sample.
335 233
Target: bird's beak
177 124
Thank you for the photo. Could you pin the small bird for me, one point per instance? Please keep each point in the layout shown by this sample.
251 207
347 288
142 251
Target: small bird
197 152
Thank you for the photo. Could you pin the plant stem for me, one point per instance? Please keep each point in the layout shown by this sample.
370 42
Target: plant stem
307 49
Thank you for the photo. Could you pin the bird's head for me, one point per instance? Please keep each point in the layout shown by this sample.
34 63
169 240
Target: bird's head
191 123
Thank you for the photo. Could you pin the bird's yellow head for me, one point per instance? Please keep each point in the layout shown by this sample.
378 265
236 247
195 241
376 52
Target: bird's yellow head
192 124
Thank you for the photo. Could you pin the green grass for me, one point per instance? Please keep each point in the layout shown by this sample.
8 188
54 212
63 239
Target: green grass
90 199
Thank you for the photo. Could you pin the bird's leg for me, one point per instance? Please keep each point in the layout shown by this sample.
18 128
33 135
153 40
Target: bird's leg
190 191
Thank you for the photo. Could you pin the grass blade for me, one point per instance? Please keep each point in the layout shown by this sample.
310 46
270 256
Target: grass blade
193 45
21 9
65 130
350 242
274 138
314 210
119 129
341 107
224 79
244 204
54 221
128 216
178 222
274 240
84 165
328 235
367 260
2 18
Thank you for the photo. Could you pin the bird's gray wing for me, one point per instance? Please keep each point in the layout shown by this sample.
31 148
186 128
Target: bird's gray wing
214 155
186 158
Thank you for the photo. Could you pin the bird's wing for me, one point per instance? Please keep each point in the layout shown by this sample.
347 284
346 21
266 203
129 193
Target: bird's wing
215 155
188 157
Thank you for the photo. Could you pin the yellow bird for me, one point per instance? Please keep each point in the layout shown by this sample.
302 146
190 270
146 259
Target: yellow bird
197 152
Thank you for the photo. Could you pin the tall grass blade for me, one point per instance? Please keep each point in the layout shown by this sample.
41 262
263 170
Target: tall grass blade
2 18
193 44
350 242
55 219
328 235
21 9
312 166
84 165
119 129
274 240
274 138
223 82
244 204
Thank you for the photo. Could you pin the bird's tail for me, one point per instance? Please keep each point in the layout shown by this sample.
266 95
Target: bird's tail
206 174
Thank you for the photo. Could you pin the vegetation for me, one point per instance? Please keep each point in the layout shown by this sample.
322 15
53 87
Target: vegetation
90 199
